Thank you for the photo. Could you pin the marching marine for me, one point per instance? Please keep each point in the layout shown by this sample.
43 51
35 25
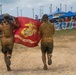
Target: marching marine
7 38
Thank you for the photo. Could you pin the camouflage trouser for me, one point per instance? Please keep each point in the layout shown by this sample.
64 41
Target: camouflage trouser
7 44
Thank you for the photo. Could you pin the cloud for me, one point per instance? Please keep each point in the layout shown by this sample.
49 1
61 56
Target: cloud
8 1
10 6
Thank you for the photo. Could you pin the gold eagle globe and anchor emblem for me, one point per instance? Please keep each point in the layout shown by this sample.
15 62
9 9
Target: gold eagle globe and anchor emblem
30 30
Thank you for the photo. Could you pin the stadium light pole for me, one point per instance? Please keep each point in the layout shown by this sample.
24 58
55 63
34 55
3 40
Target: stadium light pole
65 8
21 12
17 12
33 12
56 8
50 8
40 11
1 8
60 6
71 9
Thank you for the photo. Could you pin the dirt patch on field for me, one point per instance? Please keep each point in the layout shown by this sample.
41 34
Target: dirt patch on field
27 61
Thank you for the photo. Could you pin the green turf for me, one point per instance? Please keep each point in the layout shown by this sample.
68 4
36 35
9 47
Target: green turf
67 32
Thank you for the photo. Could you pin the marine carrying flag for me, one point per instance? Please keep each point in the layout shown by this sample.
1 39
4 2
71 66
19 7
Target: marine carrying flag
27 34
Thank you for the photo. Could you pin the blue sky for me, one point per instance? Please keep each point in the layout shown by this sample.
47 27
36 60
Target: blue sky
10 6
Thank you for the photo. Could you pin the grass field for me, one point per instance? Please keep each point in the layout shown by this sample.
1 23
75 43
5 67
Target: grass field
68 32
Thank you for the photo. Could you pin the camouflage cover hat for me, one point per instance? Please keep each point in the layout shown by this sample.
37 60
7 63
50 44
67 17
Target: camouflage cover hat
6 15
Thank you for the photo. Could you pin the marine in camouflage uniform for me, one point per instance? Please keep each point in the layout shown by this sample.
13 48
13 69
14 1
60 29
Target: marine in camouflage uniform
7 38
46 30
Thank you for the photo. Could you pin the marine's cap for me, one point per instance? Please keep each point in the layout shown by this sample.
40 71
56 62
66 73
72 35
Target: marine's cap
6 15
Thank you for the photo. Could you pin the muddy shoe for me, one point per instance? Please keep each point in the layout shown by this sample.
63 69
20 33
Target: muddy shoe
49 60
8 68
8 60
45 68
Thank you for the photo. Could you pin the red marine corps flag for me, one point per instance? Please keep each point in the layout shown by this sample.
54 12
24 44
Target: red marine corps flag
27 34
